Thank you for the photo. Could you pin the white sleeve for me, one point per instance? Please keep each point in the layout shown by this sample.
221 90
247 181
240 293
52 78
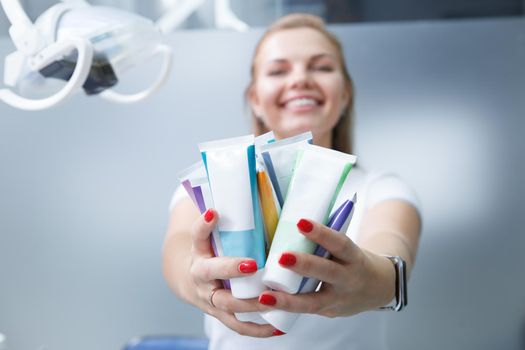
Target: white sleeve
179 194
390 186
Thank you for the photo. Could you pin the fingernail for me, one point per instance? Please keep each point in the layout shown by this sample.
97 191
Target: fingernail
287 259
305 226
267 299
248 266
278 332
208 216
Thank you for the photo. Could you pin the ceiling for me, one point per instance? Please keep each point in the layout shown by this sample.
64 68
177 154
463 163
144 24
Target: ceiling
257 13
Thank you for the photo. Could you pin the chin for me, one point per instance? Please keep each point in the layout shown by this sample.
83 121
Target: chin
294 130
299 126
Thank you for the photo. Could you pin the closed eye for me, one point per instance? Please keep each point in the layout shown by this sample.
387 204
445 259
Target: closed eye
276 72
324 68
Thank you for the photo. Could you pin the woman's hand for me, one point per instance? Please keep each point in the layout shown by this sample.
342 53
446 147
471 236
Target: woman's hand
354 280
206 271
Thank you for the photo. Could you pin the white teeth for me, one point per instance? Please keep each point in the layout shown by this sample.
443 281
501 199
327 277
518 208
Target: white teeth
299 102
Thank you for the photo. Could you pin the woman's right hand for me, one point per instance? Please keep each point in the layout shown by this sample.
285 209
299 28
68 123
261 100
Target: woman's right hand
206 271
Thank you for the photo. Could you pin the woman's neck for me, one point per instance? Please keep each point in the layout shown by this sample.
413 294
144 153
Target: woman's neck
324 140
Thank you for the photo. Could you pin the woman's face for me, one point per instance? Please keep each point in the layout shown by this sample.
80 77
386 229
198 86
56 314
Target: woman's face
299 84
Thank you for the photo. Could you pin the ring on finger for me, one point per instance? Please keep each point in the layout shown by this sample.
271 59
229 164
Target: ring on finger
212 293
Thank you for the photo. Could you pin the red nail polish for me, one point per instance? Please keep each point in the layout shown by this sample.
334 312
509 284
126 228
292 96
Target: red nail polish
248 266
267 299
278 332
287 259
208 216
305 226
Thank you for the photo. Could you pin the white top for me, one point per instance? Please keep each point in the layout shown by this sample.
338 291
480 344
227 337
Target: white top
362 331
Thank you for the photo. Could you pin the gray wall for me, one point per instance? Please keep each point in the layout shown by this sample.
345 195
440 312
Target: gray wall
84 187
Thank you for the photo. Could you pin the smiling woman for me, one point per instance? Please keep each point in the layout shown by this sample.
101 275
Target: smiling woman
298 72
300 83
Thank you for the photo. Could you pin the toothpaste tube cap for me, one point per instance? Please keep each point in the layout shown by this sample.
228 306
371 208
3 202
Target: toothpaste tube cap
254 317
280 319
279 278
248 287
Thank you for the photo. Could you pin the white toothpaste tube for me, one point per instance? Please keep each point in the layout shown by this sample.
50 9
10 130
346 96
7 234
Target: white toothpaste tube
317 179
262 140
231 169
189 175
339 222
195 181
279 159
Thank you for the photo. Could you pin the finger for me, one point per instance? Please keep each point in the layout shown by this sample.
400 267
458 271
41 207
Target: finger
225 301
338 244
312 266
201 233
309 303
222 268
246 328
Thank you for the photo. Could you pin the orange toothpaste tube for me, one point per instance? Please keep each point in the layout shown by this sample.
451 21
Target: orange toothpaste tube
269 204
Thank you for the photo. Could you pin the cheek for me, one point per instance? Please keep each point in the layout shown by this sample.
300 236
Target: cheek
336 91
270 117
268 95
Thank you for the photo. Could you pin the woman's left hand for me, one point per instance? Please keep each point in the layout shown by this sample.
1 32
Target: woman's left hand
354 280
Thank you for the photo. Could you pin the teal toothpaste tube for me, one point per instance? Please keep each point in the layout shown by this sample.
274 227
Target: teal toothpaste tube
195 181
317 179
231 168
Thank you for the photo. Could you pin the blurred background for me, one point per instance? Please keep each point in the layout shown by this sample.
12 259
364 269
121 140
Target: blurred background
440 88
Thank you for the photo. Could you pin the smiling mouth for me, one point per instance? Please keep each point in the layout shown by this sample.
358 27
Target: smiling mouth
303 102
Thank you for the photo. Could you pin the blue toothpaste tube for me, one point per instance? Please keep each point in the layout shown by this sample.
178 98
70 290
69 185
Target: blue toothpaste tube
279 159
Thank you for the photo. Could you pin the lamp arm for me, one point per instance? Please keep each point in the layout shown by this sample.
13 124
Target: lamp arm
15 13
24 34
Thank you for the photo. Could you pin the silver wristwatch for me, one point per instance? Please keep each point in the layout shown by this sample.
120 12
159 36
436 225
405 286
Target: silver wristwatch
401 299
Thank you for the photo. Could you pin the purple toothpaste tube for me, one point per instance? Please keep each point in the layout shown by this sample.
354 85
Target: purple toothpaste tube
339 221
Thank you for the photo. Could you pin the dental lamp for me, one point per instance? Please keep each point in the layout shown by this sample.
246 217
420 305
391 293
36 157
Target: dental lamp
87 46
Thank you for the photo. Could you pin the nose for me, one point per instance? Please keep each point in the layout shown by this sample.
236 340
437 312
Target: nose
300 78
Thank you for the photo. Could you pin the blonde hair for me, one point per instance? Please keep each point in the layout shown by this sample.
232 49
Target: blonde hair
342 132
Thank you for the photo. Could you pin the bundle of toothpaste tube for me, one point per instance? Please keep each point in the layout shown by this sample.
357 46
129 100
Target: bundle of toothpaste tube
261 188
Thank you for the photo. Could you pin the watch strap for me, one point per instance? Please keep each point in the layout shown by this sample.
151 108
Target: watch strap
401 297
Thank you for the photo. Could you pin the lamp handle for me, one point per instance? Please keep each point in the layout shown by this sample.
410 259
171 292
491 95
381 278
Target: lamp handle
162 50
85 57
